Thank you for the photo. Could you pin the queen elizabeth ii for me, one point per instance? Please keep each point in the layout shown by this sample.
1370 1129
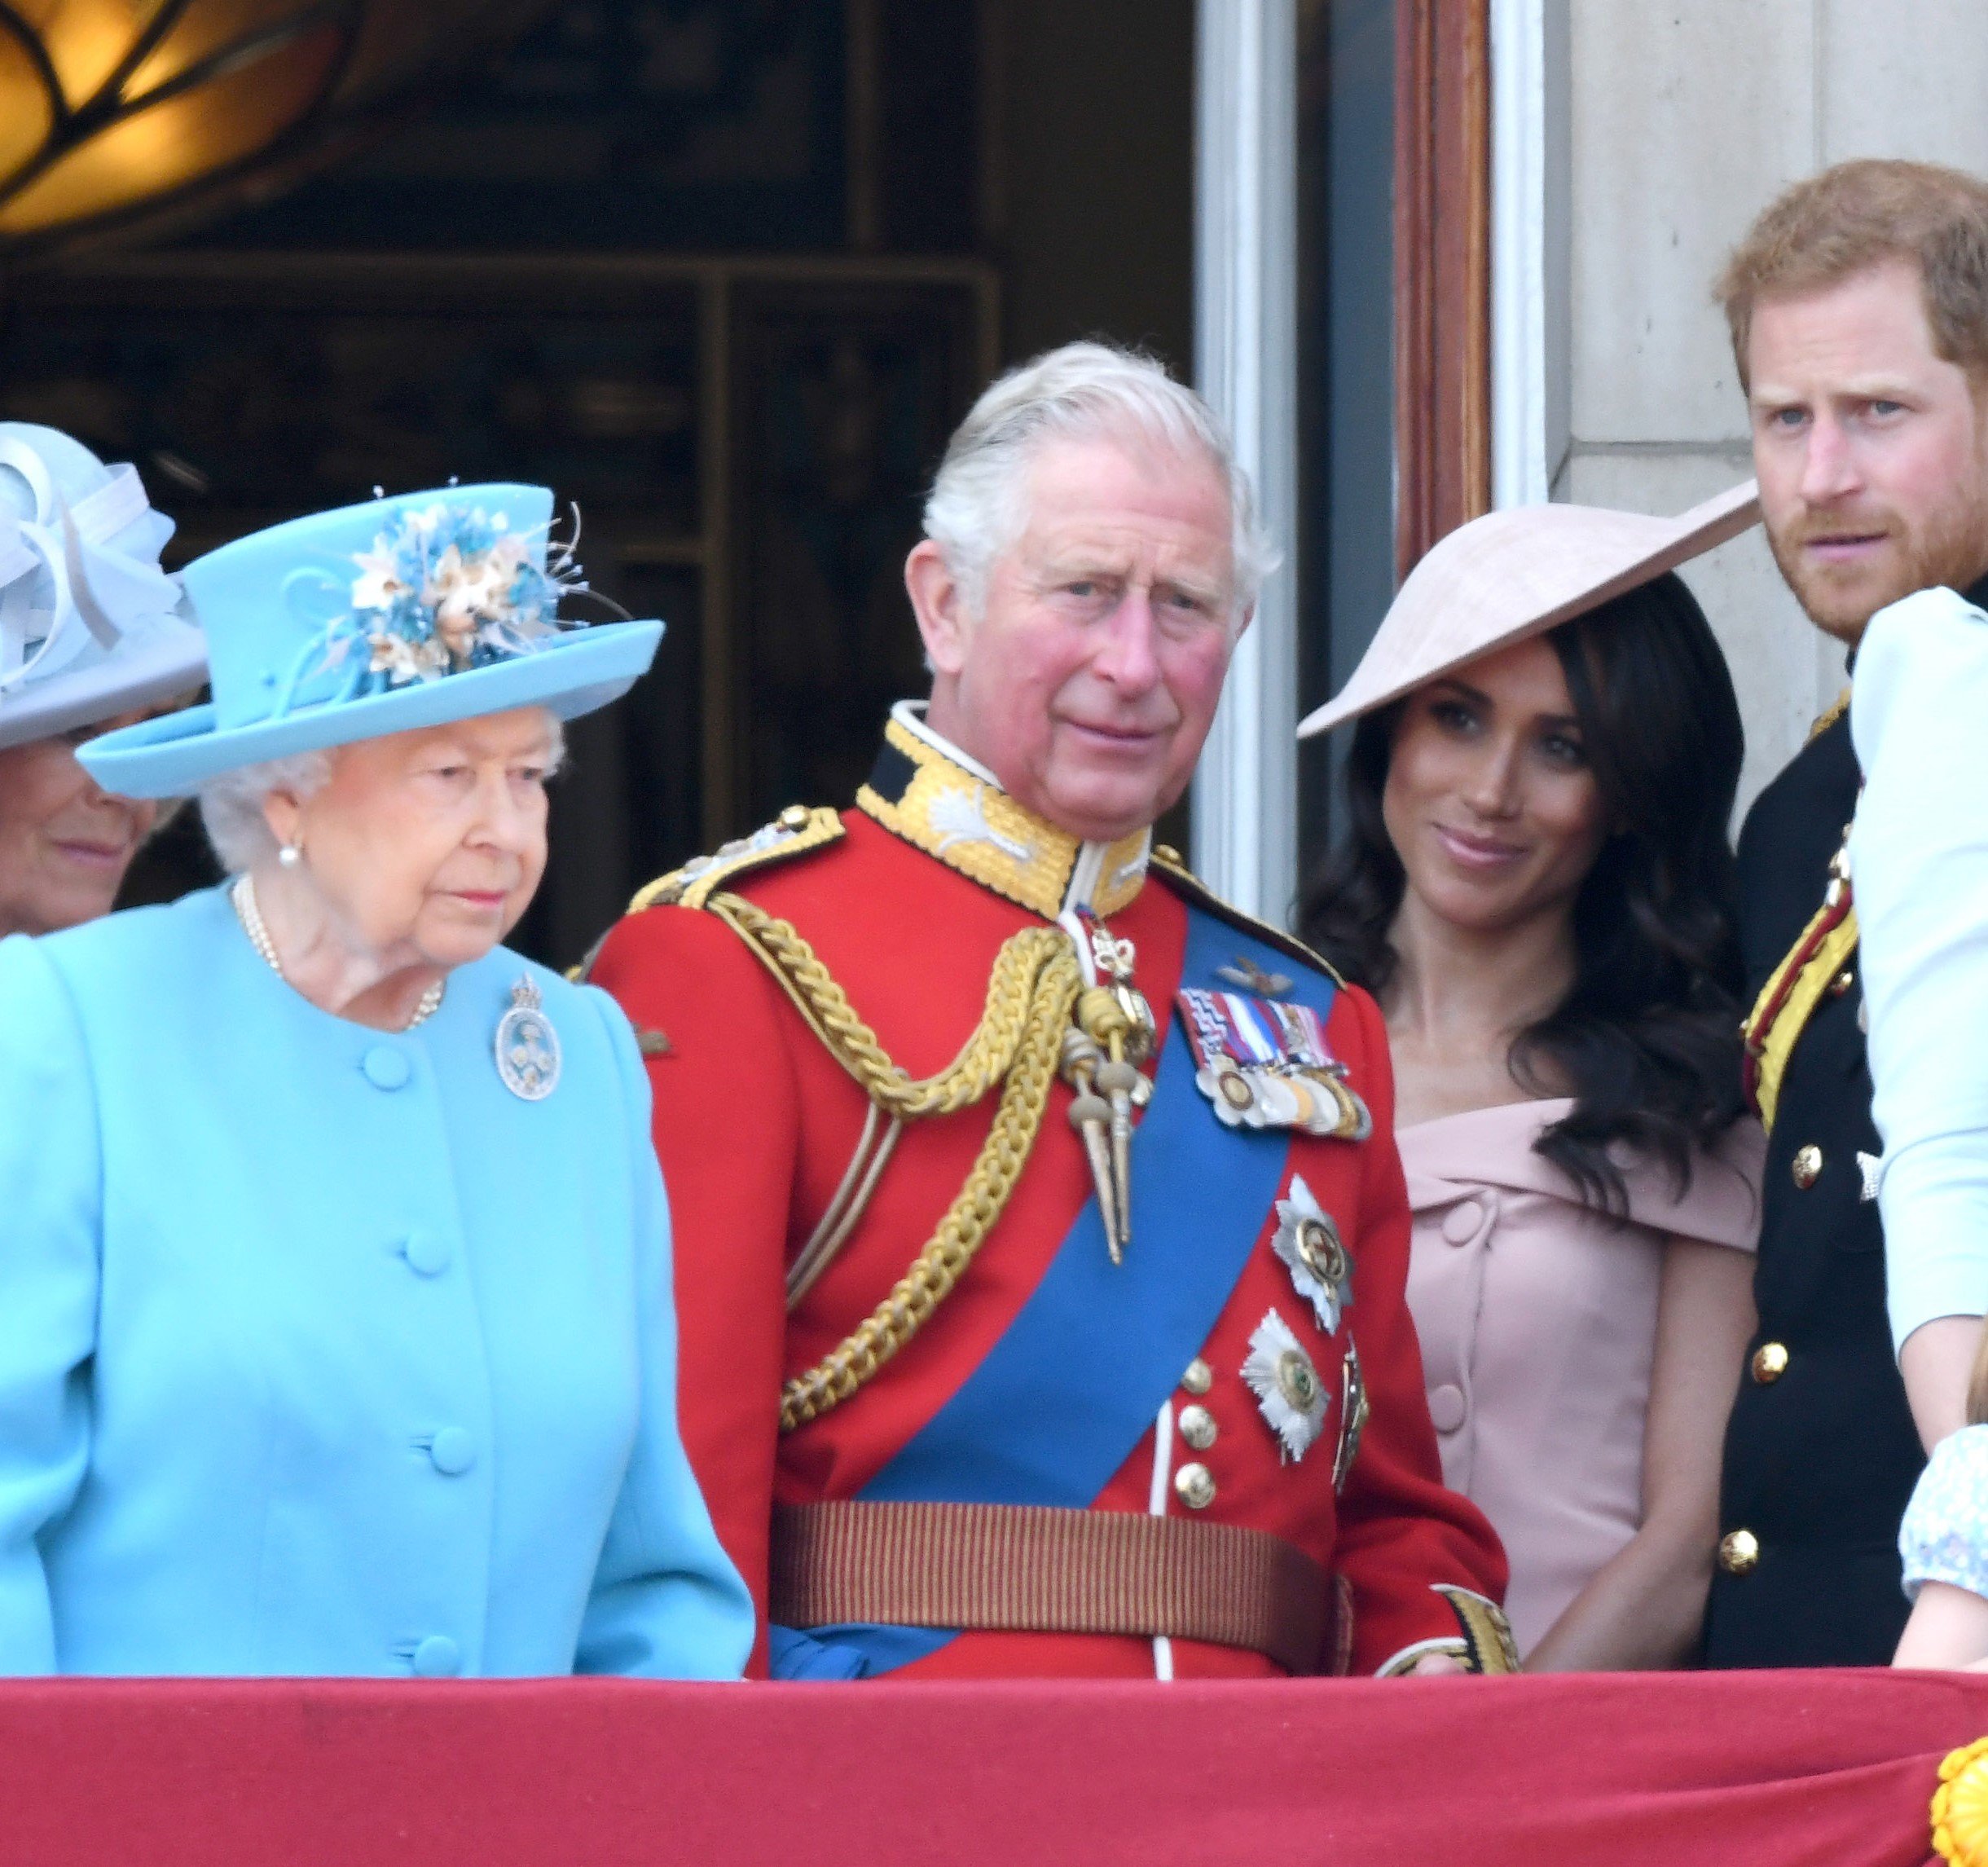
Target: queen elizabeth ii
335 1332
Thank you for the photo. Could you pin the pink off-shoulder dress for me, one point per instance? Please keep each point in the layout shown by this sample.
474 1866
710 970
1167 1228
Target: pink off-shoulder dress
1538 1315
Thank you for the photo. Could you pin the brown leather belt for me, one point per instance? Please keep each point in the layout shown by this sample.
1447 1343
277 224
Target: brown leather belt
1030 1568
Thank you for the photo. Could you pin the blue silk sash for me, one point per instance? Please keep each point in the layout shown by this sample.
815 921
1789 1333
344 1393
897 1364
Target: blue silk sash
1060 1402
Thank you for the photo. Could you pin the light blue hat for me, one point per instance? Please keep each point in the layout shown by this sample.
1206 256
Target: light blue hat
90 625
378 618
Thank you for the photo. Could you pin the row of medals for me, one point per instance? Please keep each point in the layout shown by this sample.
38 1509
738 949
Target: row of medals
1114 1033
1272 1097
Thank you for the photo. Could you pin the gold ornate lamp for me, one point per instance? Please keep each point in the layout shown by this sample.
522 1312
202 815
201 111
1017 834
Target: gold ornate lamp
115 110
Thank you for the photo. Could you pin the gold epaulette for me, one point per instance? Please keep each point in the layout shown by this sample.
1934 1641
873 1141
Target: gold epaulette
1183 881
1828 717
796 831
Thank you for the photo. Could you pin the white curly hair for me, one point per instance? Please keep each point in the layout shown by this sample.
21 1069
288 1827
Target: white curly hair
1082 391
231 805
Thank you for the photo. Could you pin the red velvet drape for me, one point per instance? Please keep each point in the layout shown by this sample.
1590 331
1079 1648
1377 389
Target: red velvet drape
1758 1770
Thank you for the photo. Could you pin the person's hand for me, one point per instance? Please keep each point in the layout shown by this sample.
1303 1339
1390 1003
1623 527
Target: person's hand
1434 1665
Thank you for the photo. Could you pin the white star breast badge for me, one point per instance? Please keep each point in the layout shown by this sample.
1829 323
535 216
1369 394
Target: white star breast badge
1309 1244
1289 1393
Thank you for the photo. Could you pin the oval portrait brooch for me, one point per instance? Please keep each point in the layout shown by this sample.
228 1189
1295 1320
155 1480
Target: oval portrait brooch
527 1046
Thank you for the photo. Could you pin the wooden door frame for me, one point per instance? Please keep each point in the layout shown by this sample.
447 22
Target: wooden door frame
1442 270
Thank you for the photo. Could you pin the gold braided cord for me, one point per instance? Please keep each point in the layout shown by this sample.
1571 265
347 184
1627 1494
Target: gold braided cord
968 1220
987 1056
1017 1043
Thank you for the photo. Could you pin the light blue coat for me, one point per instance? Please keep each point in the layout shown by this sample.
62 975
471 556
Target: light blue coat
320 1351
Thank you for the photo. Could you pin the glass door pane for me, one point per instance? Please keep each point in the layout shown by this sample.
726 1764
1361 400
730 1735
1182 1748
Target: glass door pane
1345 542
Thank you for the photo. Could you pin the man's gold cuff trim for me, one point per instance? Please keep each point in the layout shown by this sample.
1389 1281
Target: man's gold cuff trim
1486 1634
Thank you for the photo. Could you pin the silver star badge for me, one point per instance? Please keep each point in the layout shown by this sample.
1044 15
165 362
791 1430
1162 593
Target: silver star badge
1289 1393
1308 1243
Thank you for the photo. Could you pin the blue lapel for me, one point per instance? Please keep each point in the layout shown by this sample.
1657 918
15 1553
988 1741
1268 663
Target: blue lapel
1062 1400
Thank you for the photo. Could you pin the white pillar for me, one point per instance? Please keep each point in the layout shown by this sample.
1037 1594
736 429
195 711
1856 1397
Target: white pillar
1246 340
1529 258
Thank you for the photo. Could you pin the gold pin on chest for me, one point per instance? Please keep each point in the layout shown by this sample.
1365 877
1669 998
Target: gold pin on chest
1113 1034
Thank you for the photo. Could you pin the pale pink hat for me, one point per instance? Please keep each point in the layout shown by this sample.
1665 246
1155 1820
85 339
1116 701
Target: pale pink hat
1515 573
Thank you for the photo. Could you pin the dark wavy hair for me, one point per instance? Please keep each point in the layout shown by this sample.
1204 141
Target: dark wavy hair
1648 1035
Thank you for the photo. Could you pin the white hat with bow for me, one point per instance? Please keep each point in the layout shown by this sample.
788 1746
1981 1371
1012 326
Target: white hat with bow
90 625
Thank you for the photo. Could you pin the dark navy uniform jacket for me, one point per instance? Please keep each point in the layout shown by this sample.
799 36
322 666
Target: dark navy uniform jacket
1822 1456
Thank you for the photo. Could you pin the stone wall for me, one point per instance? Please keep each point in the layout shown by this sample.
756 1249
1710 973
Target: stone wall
1683 120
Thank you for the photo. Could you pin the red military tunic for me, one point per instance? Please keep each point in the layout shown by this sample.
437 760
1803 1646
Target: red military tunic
755 1123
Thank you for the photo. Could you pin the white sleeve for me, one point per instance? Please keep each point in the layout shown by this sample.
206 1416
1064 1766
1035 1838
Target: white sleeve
1919 868
1944 1537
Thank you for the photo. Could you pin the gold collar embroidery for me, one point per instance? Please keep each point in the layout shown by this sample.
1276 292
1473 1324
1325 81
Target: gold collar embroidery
933 795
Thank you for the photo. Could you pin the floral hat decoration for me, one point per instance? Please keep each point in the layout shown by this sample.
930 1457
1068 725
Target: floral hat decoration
377 619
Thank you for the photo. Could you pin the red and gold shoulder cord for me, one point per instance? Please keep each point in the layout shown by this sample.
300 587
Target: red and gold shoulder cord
1813 967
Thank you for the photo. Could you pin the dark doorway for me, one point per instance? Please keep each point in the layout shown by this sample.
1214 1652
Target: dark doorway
725 273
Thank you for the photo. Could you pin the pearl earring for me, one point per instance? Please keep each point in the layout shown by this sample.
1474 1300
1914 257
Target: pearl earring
290 855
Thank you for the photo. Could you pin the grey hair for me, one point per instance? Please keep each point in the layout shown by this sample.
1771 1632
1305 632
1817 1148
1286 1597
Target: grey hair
1082 391
231 804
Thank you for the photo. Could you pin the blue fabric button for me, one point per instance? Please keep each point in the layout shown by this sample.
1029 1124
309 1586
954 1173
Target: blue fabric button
426 1252
438 1656
453 1451
386 1068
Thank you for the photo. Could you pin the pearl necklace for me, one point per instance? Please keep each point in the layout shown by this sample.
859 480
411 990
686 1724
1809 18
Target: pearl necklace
250 915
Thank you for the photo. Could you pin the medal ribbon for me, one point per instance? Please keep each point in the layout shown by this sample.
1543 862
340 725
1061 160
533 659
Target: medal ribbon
1304 1036
1243 1017
1225 1025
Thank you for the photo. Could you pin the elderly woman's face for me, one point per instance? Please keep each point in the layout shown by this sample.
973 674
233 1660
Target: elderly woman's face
64 844
433 838
1090 680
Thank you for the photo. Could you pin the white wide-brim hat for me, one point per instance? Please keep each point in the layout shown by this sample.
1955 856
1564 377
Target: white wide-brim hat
1513 574
90 625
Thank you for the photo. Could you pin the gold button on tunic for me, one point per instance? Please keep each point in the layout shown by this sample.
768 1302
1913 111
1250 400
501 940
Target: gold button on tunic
1770 1362
1739 1551
1199 1378
1807 1166
1198 1427
1194 1486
